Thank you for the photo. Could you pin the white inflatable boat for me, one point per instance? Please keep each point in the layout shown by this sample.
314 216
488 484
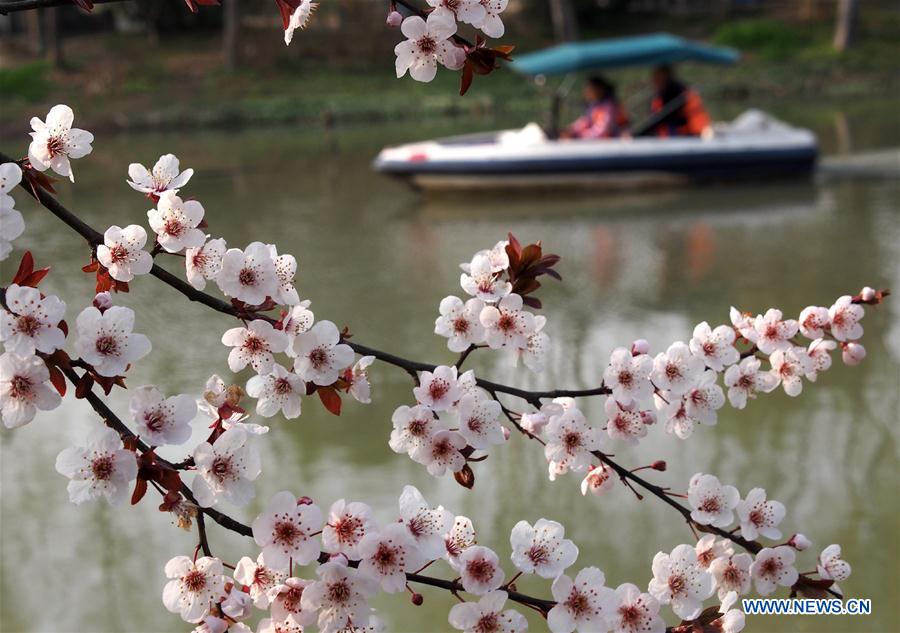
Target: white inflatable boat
754 145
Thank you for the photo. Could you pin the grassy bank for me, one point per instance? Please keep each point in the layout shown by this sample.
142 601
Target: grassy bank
128 82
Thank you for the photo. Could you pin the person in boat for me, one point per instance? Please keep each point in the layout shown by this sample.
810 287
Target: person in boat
604 116
688 119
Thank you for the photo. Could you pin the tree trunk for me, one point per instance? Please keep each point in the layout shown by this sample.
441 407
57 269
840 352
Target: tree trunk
231 28
52 37
562 15
845 24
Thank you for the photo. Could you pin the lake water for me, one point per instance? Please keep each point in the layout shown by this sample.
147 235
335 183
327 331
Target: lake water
378 258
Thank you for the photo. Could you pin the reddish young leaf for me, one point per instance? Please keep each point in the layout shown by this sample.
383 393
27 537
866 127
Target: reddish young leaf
170 479
140 489
465 477
465 78
286 7
26 267
37 179
83 388
331 399
64 327
35 278
58 380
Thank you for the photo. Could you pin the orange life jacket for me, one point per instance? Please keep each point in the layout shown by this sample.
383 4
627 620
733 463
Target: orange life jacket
689 120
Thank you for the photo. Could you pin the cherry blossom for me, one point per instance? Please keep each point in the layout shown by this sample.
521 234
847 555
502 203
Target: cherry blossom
358 377
819 351
772 332
744 324
121 252
478 421
813 322
799 542
712 503
479 569
286 602
388 554
715 347
12 224
438 390
413 428
428 44
254 345
460 323
175 222
542 549
760 517
599 480
56 141
507 324
285 269
428 526
106 341
278 390
744 381
346 525
32 322
535 422
845 316
709 548
298 320
492 25
100 468
628 376
627 610
248 275
732 620
194 586
226 469
166 175
831 566
852 353
285 530
204 262
460 537
676 370
320 357
678 419
536 347
24 389
237 604
623 423
581 604
299 19
679 580
789 366
773 566
259 577
481 280
162 420
732 573
270 625
466 11
487 616
441 453
705 399
339 597
570 441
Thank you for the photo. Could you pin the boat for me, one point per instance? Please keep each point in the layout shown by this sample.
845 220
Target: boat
754 145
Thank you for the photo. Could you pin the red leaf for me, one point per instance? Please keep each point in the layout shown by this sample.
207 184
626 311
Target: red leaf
465 79
35 278
140 489
87 5
170 480
286 7
465 477
330 399
83 388
26 267
64 327
58 380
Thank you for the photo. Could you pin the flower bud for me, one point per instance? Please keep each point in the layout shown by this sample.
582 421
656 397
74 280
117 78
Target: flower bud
304 501
505 432
659 465
853 353
103 301
867 294
339 558
640 346
417 599
799 542
394 19
648 417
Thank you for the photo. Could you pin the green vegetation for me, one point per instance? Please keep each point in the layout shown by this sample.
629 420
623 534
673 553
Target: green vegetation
28 82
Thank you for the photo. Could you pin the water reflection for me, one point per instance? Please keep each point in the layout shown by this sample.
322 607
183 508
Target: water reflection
379 259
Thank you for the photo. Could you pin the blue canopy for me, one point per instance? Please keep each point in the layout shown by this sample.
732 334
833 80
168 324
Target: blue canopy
642 50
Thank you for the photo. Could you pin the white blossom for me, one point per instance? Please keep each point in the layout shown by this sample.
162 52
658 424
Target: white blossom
819 351
285 270
122 252
772 332
732 620
286 602
428 44
507 324
387 555
278 390
732 573
536 347
441 453
479 570
677 369
705 399
628 376
346 525
194 586
319 355
467 12
831 566
570 440
712 503
103 467
789 366
581 604
162 420
482 281
759 516
630 611
285 530
599 480
743 323
56 141
438 390
459 322
254 345
845 316
259 577
12 224
166 175
492 25
204 262
298 320
413 428
487 616
24 389
813 322
340 597
299 19
624 423
358 377
773 566
679 580
428 526
175 222
541 549
226 469
460 537
745 380
32 322
106 341
248 275
479 421
715 347
709 548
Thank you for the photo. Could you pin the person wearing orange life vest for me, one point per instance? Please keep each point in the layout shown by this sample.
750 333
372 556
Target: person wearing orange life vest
603 117
690 119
